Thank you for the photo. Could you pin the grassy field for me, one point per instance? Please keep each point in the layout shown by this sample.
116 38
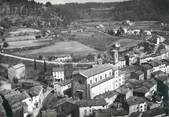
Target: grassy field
27 43
58 48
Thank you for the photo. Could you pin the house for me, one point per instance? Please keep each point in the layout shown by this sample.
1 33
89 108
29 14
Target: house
61 88
36 95
109 97
97 80
48 113
110 113
166 63
148 69
12 102
62 73
147 32
138 74
146 88
58 74
137 104
157 65
16 71
63 58
2 110
87 107
64 107
125 92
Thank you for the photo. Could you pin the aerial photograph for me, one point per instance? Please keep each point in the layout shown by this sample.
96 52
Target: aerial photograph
84 58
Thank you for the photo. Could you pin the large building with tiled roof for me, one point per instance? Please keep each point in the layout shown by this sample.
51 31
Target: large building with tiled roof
97 80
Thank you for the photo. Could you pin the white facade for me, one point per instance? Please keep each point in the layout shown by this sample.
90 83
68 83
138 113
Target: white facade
98 77
108 85
59 89
58 75
17 71
63 58
86 111
138 107
33 103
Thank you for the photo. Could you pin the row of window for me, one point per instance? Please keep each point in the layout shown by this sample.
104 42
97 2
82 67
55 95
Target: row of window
100 78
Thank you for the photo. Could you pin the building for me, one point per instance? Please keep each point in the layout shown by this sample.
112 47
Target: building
137 104
109 97
16 72
34 100
148 69
58 74
2 110
87 107
166 63
63 88
138 74
62 73
146 89
63 58
12 102
97 80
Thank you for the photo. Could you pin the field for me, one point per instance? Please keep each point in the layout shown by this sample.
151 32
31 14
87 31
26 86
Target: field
59 48
27 44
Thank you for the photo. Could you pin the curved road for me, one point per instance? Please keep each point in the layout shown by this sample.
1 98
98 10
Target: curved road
42 61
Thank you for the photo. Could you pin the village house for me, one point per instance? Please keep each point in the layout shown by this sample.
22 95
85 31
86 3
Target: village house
13 100
33 100
138 74
109 97
166 63
16 71
58 74
63 58
2 110
63 88
148 69
87 107
146 88
137 104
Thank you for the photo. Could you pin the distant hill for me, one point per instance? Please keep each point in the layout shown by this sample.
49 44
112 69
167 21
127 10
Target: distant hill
142 10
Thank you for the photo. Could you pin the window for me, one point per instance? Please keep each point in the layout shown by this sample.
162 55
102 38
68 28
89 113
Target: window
96 79
110 73
105 75
80 81
90 81
100 77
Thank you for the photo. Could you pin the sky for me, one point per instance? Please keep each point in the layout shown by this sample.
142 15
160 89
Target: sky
79 1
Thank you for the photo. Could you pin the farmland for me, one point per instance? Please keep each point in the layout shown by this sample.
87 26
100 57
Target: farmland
67 47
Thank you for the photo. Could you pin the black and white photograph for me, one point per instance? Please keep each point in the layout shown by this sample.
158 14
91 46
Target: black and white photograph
84 58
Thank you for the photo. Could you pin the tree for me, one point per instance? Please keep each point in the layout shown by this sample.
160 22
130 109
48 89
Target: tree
5 44
48 4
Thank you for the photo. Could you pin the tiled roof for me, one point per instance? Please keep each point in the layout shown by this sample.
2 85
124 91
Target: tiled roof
18 66
34 91
97 70
63 83
136 100
141 89
147 66
149 83
165 61
56 69
139 71
154 112
92 102
122 90
108 94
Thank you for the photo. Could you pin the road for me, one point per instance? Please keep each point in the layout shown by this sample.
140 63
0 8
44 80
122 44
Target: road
42 61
